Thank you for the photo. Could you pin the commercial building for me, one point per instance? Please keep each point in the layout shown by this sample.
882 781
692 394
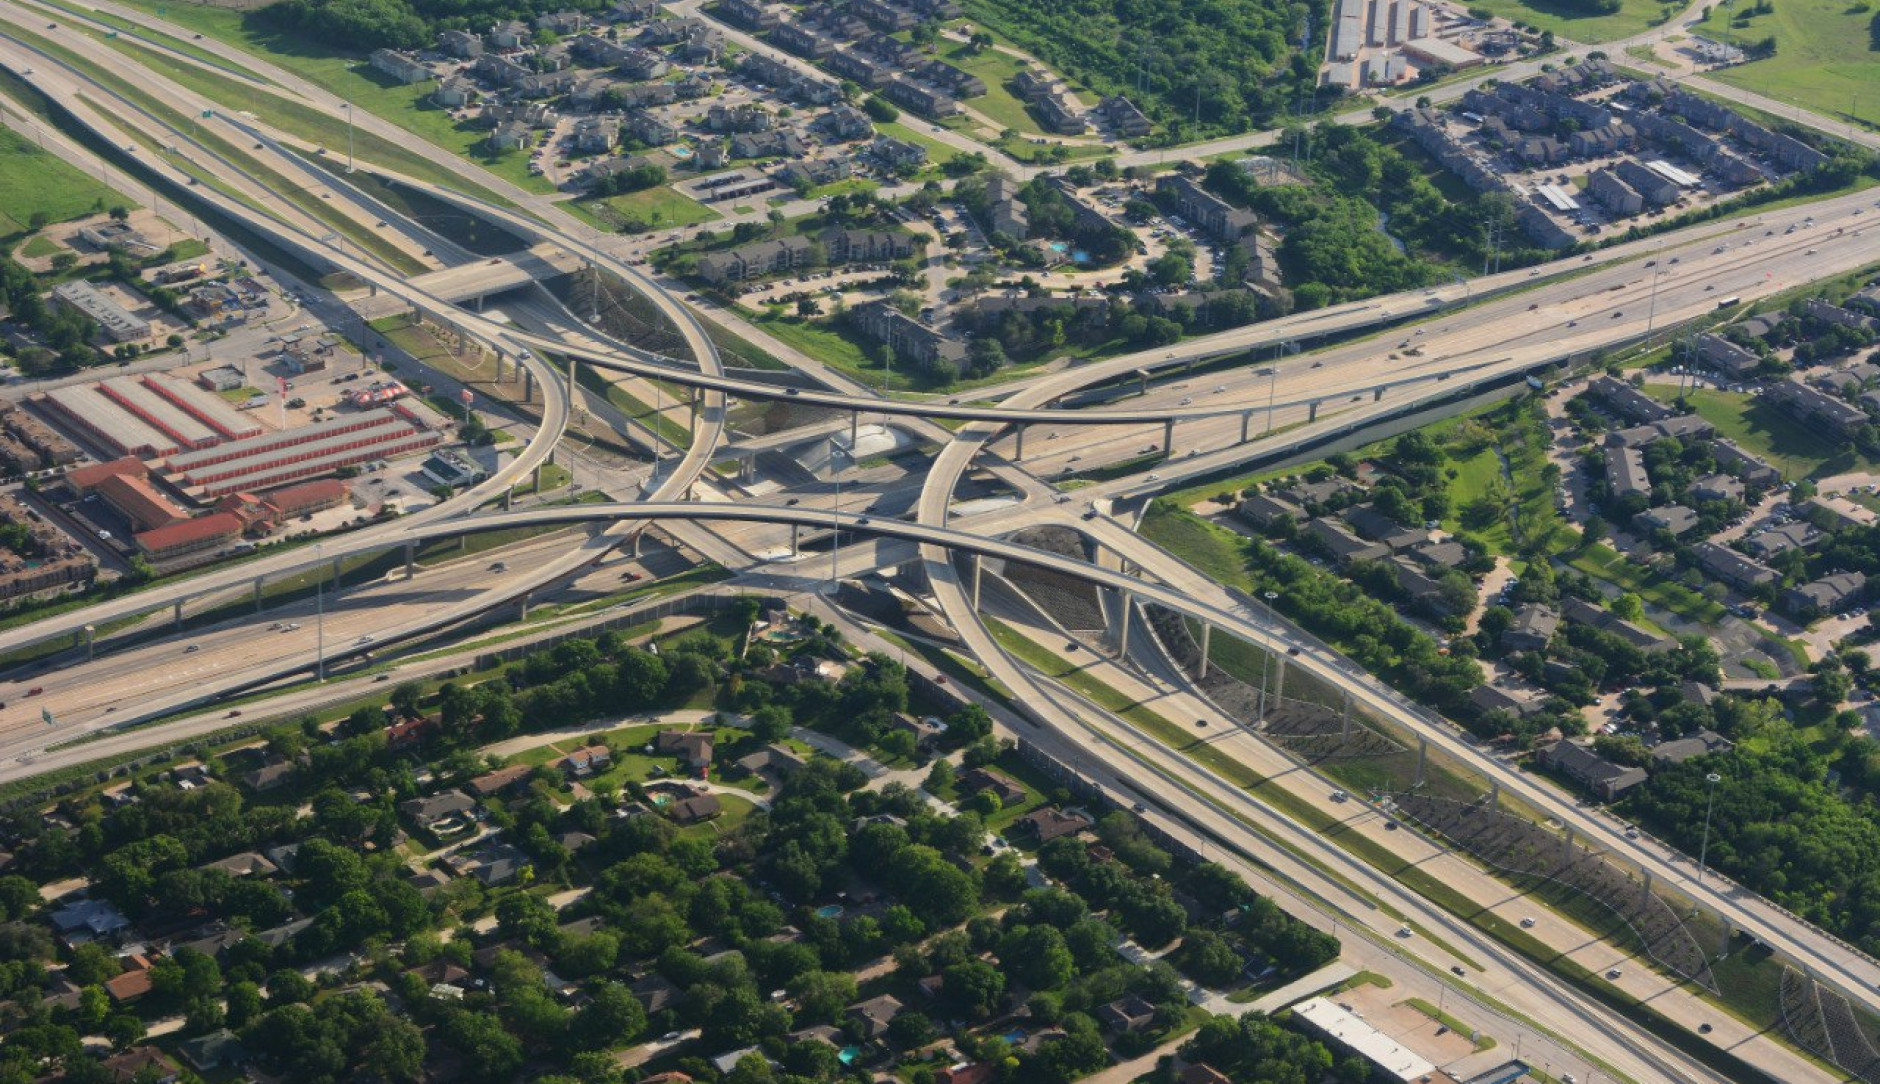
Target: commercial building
1392 1060
305 451
117 322
50 558
86 409
213 531
159 413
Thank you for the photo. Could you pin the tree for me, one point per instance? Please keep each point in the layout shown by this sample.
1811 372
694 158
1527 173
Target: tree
975 988
492 1054
940 777
613 1018
1037 957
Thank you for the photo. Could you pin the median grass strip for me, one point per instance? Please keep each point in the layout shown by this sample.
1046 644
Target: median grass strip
1437 1013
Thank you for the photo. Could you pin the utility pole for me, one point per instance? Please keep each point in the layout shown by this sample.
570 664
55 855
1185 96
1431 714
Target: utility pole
349 136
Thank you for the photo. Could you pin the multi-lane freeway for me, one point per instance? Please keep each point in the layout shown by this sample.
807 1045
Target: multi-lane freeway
1452 339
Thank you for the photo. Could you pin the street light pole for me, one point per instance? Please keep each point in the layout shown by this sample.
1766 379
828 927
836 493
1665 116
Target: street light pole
349 136
1703 853
319 615
835 516
1651 312
1272 645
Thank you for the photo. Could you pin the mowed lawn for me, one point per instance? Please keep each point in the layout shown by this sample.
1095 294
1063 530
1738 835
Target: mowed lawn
658 207
1792 448
1568 21
1824 58
33 181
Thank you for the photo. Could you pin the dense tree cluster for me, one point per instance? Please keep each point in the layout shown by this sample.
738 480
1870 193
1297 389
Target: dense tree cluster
1197 66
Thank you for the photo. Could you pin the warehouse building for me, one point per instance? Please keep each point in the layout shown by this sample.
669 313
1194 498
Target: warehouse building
119 324
90 412
274 459
210 409
159 413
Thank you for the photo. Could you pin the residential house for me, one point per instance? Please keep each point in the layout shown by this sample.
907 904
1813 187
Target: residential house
141 1065
1723 356
844 123
754 260
1127 1013
896 153
1605 779
460 43
696 809
1777 541
492 863
1674 518
927 101
907 337
1732 567
650 130
1828 595
596 135
1657 190
1717 487
1492 698
1697 744
454 92
509 34
586 761
1124 118
1627 401
1532 629
1222 220
500 781
403 68
1050 823
1009 791
1612 193
439 814
867 246
1752 470
1344 546
1625 472
773 144
643 65
1263 511
693 748
875 1014
1810 407
750 14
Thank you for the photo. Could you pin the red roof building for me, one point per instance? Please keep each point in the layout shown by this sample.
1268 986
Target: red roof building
138 501
190 535
304 497
86 478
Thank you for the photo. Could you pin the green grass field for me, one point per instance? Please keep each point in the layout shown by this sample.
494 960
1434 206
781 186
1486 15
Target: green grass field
1791 447
1566 19
1824 58
33 182
655 208
938 152
999 104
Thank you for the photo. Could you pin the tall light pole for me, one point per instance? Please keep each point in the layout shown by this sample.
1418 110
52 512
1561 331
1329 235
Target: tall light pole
1272 645
1703 852
319 614
349 136
835 514
1651 312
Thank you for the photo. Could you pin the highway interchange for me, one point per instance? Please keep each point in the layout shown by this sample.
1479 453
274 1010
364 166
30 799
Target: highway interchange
1528 320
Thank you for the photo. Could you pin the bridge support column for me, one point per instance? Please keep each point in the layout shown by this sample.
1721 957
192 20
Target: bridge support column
747 468
1648 888
522 607
1122 636
528 384
509 497
1344 722
977 565
1168 437
1279 679
538 478
336 571
1246 425
411 559
91 642
1729 931
1566 844
1312 411
1018 453
855 432
1494 799
1142 381
698 399
795 529
176 613
1207 635
1377 393
258 580
1423 758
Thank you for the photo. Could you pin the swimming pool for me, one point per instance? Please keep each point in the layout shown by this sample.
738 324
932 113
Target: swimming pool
848 1054
1059 246
681 152
829 910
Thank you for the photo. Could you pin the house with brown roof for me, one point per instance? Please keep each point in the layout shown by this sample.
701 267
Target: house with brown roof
1050 824
875 1014
692 747
586 761
1009 790
693 810
131 983
500 780
145 1064
1126 1013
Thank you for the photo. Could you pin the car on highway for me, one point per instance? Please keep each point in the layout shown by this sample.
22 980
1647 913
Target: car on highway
192 649
500 566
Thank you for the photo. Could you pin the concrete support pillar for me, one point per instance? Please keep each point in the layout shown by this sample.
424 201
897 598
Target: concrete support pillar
1377 393
1246 425
1648 888
176 611
975 559
1279 680
1312 411
634 551
574 365
522 607
1168 437
411 559
1423 758
1142 382
538 478
336 570
1207 634
91 641
1122 636
1018 454
258 580
1729 931
509 497
795 529
528 384
1566 844
855 431
747 468
1494 796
